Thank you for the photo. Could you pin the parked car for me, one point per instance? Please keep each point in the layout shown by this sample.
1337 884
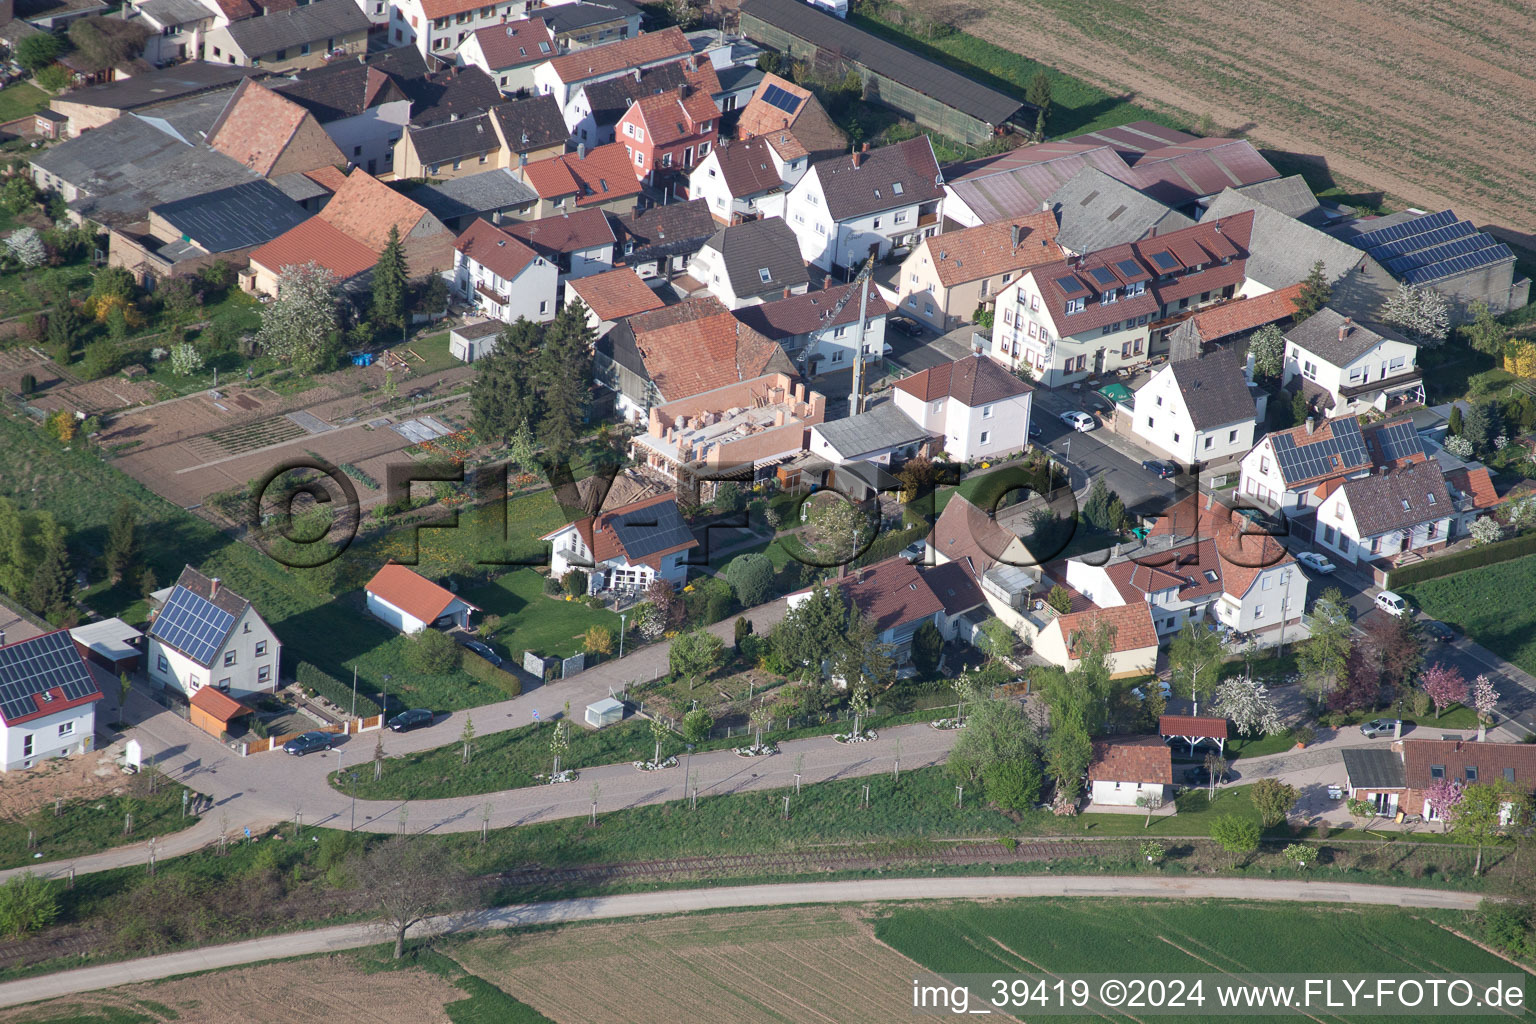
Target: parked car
1379 727
1316 562
1162 684
309 742
1078 420
1392 604
1437 630
1162 468
917 549
415 718
1034 430
906 325
482 650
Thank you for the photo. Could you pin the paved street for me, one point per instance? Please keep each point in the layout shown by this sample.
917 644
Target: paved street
683 901
1101 453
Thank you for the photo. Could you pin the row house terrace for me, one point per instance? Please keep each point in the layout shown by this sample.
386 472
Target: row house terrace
438 27
1112 309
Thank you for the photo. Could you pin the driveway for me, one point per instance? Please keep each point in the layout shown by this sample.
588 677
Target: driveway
1102 454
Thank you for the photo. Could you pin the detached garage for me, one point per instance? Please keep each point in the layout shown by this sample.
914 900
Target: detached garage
410 602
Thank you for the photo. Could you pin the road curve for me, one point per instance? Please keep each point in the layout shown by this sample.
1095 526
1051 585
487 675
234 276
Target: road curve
681 901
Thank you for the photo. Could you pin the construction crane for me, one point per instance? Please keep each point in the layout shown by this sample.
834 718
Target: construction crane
856 396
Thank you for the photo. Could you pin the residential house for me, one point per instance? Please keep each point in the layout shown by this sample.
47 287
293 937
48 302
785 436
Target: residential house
738 82
610 297
820 342
1196 411
1136 771
680 351
405 600
737 176
1397 779
1133 650
626 549
176 28
980 409
48 701
502 277
563 76
1475 496
1112 308
1344 366
1393 511
593 114
1445 253
892 594
507 136
883 435
446 94
750 263
1021 182
204 634
1293 470
660 241
665 134
496 196
790 115
600 179
363 107
510 52
586 23
947 278
1227 323
1094 211
578 244
437 28
304 37
742 431
849 206
182 237
98 105
271 134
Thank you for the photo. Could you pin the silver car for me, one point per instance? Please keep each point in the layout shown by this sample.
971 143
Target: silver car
1379 727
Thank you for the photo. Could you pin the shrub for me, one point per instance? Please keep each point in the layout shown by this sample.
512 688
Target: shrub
696 725
599 640
1014 785
1505 926
433 653
333 689
574 583
552 586
27 903
28 384
1460 561
483 671
751 578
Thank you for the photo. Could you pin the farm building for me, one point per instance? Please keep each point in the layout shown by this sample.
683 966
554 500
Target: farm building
928 93
410 602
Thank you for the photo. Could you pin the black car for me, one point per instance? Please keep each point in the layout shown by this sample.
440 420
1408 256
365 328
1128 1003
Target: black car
1034 430
1200 775
415 718
308 743
483 650
1437 630
906 325
1162 467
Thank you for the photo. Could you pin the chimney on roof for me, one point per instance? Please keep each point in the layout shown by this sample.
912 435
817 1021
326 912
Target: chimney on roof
858 158
786 293
1311 423
1014 233
1346 327
581 151
213 587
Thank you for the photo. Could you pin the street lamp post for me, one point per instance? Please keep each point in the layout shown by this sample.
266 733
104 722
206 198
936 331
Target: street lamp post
353 777
622 616
687 760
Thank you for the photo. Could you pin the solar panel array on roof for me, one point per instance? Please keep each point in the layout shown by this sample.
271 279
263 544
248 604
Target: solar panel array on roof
648 530
1371 239
1165 261
1399 440
1346 448
1130 268
192 625
1104 276
38 665
1450 250
1496 253
1423 240
781 98
1432 248
1071 286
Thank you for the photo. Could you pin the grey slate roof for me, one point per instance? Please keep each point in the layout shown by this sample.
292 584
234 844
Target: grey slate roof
881 427
532 123
1281 251
474 194
1291 196
1374 768
1319 335
662 232
453 140
299 187
338 90
308 24
1094 211
235 217
609 98
1214 389
175 12
857 185
1398 498
161 86
453 92
757 245
576 16
189 119
739 78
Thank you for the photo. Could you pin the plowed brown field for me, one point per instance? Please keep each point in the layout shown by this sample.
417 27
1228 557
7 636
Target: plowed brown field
1432 101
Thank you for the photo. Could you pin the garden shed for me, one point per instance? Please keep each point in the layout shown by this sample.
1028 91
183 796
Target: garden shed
604 712
212 711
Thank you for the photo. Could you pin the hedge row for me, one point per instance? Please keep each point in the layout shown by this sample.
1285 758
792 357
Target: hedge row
333 689
483 671
1461 561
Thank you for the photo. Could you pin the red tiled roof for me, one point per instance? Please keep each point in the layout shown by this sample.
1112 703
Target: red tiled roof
1240 551
257 125
516 43
1476 482
365 208
697 346
597 61
1491 760
672 116
331 178
615 294
747 168
1139 759
971 380
990 249
1132 622
495 250
812 128
316 241
1201 727
411 593
601 176
965 534
892 593
1231 318
567 233
211 700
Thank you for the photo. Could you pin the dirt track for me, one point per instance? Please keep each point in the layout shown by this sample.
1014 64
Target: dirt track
1433 102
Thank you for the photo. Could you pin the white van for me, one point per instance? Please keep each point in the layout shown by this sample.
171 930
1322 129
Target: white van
1392 604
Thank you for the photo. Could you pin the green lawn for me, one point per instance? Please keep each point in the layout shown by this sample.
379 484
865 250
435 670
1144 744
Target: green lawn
531 621
89 826
1495 605
25 291
21 99
433 350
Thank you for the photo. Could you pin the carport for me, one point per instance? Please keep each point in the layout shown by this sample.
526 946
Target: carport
212 711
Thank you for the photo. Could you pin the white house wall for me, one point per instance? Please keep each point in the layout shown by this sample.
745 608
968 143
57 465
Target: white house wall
392 616
78 723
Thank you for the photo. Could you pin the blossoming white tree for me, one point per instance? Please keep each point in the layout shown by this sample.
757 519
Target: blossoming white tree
1485 530
1249 706
1421 313
1484 698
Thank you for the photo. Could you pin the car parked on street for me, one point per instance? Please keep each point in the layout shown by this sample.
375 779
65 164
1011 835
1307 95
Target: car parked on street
1392 604
906 325
1162 468
1437 630
1316 562
1034 430
308 743
415 718
1078 420
1379 727
483 650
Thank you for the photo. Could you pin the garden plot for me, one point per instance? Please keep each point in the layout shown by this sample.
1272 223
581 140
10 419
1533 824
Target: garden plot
815 964
16 363
246 437
423 428
98 396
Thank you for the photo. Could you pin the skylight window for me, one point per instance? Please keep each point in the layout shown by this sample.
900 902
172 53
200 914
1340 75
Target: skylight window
896 188
763 273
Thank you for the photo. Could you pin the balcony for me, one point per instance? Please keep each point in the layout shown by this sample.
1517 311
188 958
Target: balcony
499 299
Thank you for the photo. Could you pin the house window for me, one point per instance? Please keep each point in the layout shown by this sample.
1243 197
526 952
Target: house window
937 407
26 745
1264 466
1034 302
261 649
901 216
224 684
162 664
1471 773
1175 438
877 223
1269 583
1125 350
1208 440
986 436
1258 612
1008 317
986 412
1150 422
1437 771
1327 535
1231 437
264 674
229 658
764 275
543 307
68 729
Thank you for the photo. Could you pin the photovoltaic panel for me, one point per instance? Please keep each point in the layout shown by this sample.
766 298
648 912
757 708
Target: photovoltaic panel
1459 265
38 665
1413 243
649 530
1104 276
781 98
1371 239
1317 458
1130 268
1439 253
1398 440
192 625
1071 285
1165 261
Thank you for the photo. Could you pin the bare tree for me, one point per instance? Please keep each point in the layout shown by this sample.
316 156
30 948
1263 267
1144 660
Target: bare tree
409 882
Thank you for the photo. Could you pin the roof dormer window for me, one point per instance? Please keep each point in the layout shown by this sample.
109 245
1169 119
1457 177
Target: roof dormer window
763 273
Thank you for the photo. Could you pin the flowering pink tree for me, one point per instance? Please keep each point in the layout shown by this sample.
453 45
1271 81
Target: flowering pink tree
1484 698
1440 797
1445 686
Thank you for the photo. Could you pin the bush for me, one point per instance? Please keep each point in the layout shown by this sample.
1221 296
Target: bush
1505 926
28 384
433 653
728 497
696 725
1460 561
574 583
27 904
333 689
552 586
483 671
751 578
1014 785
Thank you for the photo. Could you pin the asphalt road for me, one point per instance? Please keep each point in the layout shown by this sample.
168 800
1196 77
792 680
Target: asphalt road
683 901
1102 454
